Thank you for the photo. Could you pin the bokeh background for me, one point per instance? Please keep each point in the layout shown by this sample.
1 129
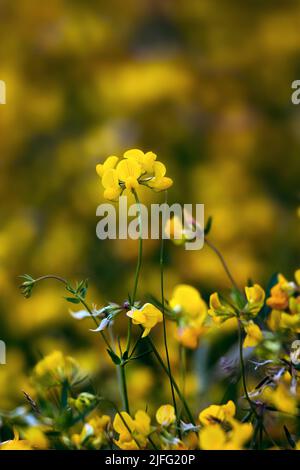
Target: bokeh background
204 84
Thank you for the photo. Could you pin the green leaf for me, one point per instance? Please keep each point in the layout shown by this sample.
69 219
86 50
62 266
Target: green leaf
116 360
73 300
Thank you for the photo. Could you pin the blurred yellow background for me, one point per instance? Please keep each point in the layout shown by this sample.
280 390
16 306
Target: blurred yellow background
204 84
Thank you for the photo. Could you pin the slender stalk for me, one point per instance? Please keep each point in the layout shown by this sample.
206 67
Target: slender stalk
224 264
65 282
252 406
161 263
138 267
177 389
124 388
140 251
182 355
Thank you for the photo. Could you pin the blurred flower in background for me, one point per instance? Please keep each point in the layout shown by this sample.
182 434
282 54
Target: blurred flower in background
207 88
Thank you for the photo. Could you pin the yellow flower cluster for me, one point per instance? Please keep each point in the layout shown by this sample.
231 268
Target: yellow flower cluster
220 430
223 311
285 304
54 368
134 169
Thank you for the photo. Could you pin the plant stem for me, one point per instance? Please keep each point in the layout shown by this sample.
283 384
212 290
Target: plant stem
224 264
182 355
124 388
66 283
161 263
252 406
177 389
138 267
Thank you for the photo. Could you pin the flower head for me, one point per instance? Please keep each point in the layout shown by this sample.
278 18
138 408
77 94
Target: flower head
189 310
135 169
147 316
165 415
221 431
132 432
285 304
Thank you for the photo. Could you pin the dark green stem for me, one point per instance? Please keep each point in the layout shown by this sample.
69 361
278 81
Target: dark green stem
161 263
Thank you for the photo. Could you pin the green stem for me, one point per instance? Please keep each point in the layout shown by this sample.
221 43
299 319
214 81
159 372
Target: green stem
66 283
182 355
252 406
161 263
224 264
124 388
177 389
138 267
140 252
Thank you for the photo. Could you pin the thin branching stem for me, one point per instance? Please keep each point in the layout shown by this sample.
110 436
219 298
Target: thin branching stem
224 264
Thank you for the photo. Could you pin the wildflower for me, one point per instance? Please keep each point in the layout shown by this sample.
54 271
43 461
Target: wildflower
255 297
109 164
221 431
133 434
254 335
190 312
281 397
55 368
220 311
147 316
285 304
217 413
165 415
16 443
37 438
93 434
135 169
223 311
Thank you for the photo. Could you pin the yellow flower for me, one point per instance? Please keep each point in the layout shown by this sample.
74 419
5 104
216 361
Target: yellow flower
54 368
109 163
186 299
136 168
190 313
254 335
212 438
223 311
133 434
255 296
285 302
147 316
160 182
145 160
37 438
281 398
94 431
297 276
217 413
110 183
16 443
128 172
221 430
279 299
220 311
165 415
